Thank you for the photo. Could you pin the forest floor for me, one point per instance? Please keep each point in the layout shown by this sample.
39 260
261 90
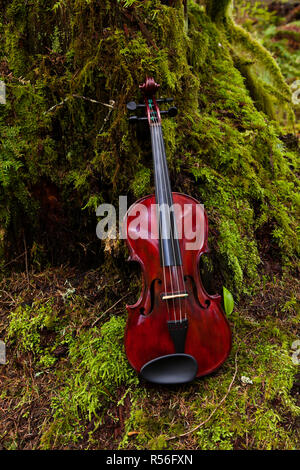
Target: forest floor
49 319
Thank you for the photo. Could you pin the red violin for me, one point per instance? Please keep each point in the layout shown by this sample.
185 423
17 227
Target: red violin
176 331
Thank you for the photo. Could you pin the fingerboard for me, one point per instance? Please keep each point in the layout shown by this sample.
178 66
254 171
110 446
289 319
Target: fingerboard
169 245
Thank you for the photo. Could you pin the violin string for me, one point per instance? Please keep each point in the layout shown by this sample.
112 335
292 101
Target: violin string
157 143
167 184
153 133
172 226
170 273
162 240
171 268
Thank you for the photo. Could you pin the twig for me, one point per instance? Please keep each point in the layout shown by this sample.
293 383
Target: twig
108 285
223 399
56 105
8 294
214 410
107 117
26 259
110 105
110 308
13 260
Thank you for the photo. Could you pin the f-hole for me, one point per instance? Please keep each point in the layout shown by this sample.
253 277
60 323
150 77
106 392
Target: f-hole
207 301
152 297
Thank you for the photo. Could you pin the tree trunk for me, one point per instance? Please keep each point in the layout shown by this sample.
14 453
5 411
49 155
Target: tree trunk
65 149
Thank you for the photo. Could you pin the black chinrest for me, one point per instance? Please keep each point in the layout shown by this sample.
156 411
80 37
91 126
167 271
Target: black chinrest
171 369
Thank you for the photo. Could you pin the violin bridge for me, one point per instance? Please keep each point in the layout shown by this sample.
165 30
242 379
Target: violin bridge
174 295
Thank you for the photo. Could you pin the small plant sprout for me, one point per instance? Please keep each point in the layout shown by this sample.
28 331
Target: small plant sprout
69 292
228 301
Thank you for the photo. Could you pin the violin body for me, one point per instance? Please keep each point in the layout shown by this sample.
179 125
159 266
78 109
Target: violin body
208 337
176 331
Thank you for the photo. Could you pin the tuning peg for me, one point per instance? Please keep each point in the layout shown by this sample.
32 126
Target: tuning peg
134 119
165 100
132 106
172 112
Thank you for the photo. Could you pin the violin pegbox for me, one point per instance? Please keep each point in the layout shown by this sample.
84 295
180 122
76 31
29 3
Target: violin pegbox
149 88
133 106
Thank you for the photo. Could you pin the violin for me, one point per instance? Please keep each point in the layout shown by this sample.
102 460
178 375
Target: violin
176 331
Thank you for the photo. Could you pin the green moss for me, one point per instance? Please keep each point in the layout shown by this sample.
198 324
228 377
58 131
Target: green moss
218 10
223 148
257 415
27 324
98 366
270 369
141 183
92 386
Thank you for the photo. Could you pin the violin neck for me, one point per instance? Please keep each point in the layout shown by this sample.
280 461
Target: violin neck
169 245
163 191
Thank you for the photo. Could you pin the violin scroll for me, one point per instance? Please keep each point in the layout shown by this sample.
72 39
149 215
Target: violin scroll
149 87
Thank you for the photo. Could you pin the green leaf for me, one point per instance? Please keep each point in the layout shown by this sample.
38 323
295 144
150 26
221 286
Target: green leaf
228 301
